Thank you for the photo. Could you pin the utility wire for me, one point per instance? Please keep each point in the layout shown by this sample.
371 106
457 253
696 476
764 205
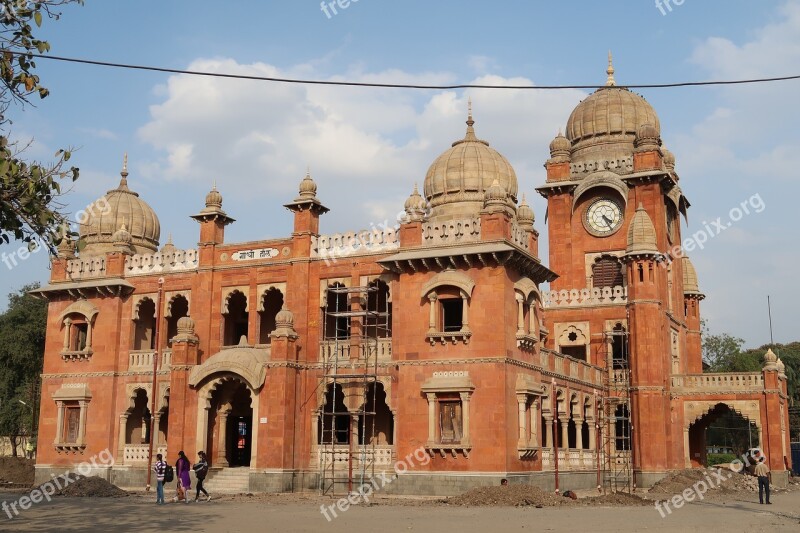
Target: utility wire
402 85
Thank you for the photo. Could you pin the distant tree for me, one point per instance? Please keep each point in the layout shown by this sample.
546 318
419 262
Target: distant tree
30 209
22 334
723 352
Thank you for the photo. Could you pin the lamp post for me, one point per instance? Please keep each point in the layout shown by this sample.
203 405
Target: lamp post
156 357
30 430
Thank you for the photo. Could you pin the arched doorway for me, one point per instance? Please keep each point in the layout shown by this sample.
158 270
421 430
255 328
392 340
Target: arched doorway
722 427
229 436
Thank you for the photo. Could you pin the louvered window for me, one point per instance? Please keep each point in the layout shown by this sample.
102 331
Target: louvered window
607 272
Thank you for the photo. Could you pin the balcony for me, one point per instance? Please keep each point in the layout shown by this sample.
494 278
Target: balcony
382 456
569 367
569 459
735 382
142 360
136 454
567 298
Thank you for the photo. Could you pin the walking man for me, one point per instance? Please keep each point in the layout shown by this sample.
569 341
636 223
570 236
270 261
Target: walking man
200 471
159 468
763 474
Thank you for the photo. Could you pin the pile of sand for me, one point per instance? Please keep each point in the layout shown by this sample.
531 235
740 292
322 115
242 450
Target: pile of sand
509 495
83 487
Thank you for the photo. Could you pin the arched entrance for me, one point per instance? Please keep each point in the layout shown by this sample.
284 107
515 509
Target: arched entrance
226 429
709 420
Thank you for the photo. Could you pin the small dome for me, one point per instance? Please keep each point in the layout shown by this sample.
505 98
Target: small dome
525 213
121 236
185 326
781 366
669 159
560 146
214 198
169 247
770 360
284 319
495 192
119 206
690 283
416 205
647 137
641 234
457 181
308 187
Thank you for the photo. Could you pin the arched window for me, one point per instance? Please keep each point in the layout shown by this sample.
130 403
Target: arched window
337 323
177 308
78 323
448 294
607 272
236 323
144 337
334 423
271 303
619 347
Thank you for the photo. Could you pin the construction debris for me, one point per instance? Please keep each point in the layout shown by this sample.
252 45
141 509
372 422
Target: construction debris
81 487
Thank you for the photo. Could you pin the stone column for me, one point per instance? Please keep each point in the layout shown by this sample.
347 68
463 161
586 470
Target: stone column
123 427
464 314
67 332
82 425
578 433
534 422
533 323
432 317
549 431
155 435
59 422
354 430
592 434
465 415
431 417
688 452
520 314
523 437
564 433
222 438
88 335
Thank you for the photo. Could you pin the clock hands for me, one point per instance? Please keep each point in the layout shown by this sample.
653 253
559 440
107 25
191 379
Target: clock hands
609 222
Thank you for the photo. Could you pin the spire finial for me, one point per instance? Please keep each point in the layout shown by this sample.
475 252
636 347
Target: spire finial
610 82
214 185
125 164
123 183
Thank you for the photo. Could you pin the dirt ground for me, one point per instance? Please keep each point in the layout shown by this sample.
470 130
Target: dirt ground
16 471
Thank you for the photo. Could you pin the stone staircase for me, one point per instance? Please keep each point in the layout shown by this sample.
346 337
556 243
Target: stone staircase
228 480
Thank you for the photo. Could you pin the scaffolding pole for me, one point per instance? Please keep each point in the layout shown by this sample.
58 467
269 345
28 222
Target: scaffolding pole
353 325
617 426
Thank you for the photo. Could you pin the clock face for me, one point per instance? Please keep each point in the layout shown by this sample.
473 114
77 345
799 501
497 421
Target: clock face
603 217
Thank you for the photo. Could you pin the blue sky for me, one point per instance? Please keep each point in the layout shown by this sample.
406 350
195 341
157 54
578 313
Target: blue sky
367 147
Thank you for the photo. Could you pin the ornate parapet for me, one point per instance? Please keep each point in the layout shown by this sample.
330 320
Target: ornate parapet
617 295
519 236
451 231
567 367
364 242
744 382
160 262
89 267
618 166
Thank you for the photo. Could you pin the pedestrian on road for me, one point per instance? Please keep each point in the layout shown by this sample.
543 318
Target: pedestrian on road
159 468
200 471
763 474
182 471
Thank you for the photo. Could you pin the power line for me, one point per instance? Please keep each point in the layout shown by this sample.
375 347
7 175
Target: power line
403 85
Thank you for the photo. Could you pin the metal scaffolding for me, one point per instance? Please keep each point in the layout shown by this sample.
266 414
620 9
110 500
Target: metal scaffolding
617 426
353 324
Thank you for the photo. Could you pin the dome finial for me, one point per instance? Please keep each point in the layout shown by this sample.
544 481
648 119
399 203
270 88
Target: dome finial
123 183
470 136
610 82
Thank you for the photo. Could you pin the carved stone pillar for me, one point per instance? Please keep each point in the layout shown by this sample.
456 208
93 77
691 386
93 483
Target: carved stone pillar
59 422
578 433
534 422
549 431
592 434
520 314
523 437
464 314
222 438
123 427
465 414
431 417
687 452
564 433
82 425
67 332
88 336
432 317
155 433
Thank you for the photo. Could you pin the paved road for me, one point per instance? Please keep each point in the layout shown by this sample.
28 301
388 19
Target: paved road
138 514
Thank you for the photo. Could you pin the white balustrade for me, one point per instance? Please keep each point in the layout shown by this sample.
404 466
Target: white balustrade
362 456
331 247
175 261
750 381
137 453
451 231
616 295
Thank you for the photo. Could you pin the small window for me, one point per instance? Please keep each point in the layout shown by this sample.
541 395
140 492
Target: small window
607 272
72 421
79 335
452 314
450 422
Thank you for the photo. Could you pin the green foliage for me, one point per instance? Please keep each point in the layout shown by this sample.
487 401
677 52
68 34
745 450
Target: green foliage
722 352
22 335
720 458
29 191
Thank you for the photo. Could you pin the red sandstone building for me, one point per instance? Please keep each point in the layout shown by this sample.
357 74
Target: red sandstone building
312 361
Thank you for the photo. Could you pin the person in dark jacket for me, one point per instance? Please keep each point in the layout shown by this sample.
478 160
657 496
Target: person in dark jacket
182 472
200 471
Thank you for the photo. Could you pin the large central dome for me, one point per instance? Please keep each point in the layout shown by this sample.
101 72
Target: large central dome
604 125
457 180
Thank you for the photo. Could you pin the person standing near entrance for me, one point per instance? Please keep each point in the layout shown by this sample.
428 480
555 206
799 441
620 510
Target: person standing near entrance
200 471
182 471
763 474
160 468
